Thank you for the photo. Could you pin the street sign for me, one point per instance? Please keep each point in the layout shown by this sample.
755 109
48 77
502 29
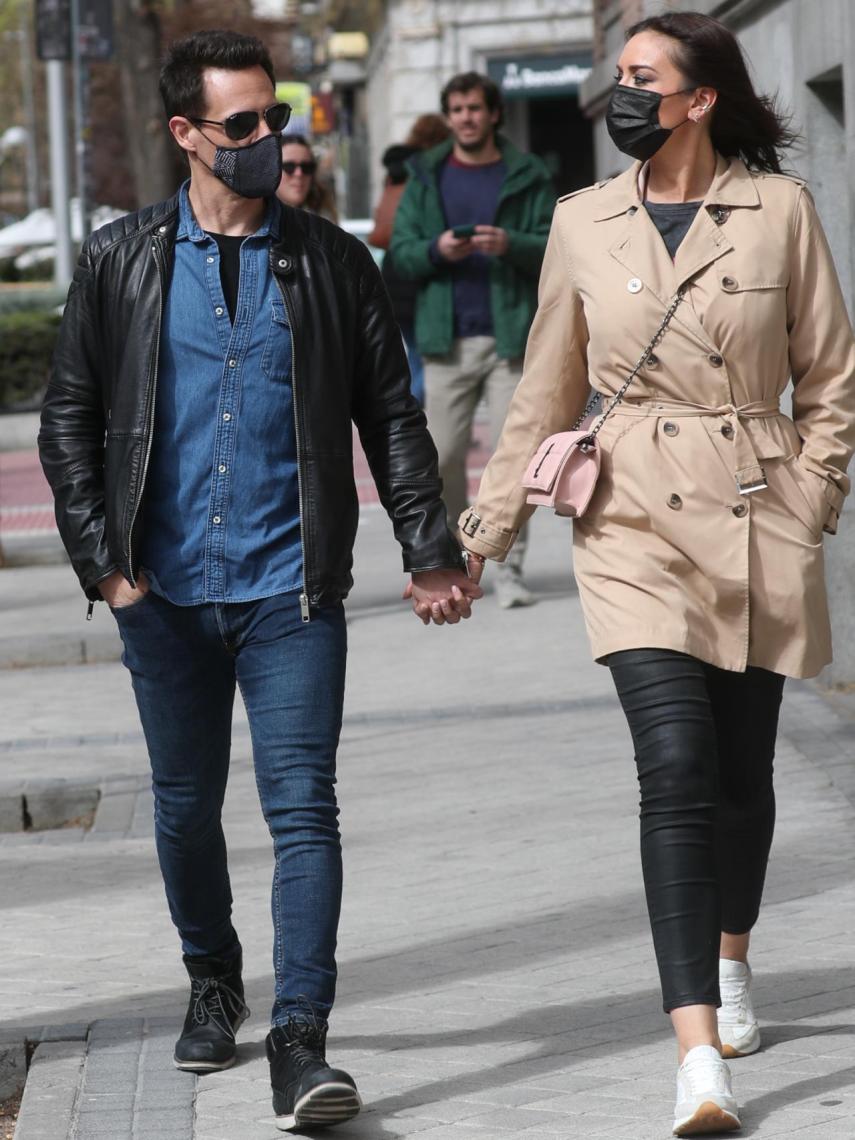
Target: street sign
96 29
53 29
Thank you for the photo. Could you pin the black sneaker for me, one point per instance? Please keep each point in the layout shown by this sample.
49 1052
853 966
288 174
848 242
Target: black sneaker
216 1011
307 1093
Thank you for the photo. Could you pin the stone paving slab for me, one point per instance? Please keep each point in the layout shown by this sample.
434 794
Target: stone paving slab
496 974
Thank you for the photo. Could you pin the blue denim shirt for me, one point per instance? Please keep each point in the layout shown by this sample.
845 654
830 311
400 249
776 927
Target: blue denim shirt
222 506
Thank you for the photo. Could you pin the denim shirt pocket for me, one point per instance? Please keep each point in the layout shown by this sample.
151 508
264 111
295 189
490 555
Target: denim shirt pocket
276 360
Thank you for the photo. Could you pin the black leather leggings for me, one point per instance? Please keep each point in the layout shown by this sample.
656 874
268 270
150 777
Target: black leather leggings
704 745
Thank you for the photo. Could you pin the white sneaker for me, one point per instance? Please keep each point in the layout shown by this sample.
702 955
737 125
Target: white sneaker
511 590
737 1023
705 1100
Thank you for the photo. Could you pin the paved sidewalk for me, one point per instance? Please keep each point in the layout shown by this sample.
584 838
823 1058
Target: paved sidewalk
496 974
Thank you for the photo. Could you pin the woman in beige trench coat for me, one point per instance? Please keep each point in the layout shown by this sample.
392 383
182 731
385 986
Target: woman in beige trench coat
699 561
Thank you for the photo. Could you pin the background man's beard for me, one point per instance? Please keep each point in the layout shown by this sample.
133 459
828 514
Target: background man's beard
474 144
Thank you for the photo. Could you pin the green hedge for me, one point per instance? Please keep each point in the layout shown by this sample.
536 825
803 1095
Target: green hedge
17 300
27 341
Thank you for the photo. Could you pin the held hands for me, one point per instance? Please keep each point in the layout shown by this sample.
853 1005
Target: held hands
117 592
486 239
441 596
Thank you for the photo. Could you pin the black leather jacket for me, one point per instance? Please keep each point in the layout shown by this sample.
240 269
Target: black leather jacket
349 365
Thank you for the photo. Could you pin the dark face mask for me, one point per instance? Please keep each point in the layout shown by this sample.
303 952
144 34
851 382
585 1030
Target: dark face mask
252 171
632 120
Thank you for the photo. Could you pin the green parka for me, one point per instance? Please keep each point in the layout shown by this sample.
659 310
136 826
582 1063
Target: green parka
524 211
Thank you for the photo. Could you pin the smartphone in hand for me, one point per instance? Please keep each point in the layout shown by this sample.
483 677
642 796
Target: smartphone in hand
463 231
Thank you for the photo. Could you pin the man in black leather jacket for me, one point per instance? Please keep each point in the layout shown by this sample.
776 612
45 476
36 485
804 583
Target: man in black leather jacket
197 433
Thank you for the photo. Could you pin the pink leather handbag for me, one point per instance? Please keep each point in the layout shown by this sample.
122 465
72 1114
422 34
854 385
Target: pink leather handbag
563 473
564 470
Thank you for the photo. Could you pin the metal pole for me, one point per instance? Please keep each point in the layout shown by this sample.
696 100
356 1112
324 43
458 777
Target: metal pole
59 170
79 79
34 194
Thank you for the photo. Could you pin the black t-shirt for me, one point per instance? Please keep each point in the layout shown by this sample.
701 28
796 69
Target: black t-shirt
673 220
229 248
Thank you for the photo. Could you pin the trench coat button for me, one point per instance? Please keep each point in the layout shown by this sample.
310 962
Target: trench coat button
632 211
284 262
675 502
652 360
740 510
670 429
730 284
720 215
162 229
727 431
715 360
634 285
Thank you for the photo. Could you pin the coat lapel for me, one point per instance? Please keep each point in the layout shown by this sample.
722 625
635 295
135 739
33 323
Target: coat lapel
641 250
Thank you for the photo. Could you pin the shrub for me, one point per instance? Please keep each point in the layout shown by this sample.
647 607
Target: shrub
27 341
20 299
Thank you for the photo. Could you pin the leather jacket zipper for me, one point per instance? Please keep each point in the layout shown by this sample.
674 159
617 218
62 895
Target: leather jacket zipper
304 596
156 251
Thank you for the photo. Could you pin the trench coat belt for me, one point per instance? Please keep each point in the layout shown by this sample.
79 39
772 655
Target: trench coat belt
751 441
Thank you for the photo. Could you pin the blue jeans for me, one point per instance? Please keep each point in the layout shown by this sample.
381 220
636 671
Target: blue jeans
185 662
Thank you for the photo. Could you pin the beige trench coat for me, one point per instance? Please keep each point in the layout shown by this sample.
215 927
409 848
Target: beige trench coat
670 554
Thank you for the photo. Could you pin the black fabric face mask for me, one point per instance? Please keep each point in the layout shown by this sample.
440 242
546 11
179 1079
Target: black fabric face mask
252 171
632 120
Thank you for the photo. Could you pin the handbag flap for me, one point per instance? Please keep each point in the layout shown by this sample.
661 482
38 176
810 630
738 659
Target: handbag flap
550 459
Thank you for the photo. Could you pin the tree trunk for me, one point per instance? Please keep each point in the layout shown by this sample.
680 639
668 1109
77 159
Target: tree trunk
150 147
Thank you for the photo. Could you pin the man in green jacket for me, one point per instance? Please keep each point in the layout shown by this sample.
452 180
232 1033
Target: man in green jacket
471 228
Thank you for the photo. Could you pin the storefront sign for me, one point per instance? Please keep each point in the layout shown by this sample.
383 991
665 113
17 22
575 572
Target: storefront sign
540 76
299 95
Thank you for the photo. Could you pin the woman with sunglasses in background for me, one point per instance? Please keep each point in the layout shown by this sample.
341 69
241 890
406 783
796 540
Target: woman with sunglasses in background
300 185
699 560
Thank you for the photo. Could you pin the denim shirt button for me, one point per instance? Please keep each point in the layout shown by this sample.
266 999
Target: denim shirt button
232 364
222 468
219 310
227 416
217 518
210 260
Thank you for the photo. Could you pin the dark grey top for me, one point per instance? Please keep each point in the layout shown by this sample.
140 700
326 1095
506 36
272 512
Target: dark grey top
673 220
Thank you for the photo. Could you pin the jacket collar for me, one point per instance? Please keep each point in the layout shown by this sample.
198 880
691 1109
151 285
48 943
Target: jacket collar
732 185
640 249
522 169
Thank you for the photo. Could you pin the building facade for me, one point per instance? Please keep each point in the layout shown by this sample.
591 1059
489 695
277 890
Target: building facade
803 51
538 51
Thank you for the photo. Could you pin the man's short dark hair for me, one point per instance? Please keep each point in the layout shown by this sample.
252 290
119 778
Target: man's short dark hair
187 59
471 81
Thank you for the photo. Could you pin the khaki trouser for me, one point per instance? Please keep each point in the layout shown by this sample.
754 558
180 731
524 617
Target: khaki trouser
454 385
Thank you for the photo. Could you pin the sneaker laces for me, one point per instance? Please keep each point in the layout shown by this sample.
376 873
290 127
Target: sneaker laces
209 1007
735 999
705 1074
306 1035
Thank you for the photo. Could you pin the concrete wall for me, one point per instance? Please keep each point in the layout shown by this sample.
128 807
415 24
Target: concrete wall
801 50
425 42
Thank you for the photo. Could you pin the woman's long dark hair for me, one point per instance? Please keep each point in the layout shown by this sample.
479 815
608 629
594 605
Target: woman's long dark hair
744 124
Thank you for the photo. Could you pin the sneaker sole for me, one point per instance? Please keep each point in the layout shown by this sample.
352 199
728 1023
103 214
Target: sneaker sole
203 1066
331 1103
749 1046
707 1118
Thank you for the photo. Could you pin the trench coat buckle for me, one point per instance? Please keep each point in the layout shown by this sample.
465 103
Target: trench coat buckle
751 479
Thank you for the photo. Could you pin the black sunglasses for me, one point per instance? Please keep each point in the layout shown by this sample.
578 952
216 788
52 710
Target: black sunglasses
306 167
242 123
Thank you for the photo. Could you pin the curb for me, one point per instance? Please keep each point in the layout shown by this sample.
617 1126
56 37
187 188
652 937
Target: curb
18 430
59 649
111 1079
